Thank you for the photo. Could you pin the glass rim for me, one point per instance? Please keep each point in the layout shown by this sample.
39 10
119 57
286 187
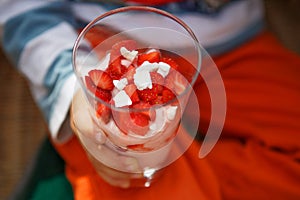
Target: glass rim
137 8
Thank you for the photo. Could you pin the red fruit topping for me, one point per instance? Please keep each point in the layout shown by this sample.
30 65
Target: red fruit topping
131 91
157 81
105 95
167 95
150 57
115 69
157 101
148 95
130 73
134 122
90 85
157 87
146 109
176 82
103 112
139 119
170 62
101 79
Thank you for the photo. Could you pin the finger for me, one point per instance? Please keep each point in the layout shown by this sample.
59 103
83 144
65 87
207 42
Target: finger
113 176
111 158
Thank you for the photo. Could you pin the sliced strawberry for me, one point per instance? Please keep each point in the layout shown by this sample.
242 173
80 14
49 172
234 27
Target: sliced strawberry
139 119
134 123
115 50
170 62
130 73
167 95
157 101
103 112
115 69
90 85
131 91
148 95
150 57
176 82
101 79
145 108
105 95
157 81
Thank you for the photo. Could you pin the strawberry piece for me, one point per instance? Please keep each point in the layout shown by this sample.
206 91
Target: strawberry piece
134 122
148 95
157 78
105 95
90 85
150 57
157 82
157 101
157 87
130 73
167 95
146 110
115 69
103 112
139 119
170 62
176 82
131 91
101 79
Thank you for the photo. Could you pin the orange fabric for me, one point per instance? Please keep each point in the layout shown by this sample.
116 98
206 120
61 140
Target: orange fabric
257 156
188 178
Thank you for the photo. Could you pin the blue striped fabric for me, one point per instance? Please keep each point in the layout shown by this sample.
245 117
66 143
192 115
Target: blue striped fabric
19 30
57 74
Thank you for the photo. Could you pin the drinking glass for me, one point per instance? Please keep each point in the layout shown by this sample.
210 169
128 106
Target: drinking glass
153 145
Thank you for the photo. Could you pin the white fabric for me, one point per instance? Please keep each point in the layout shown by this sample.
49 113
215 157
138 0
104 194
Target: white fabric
35 55
62 106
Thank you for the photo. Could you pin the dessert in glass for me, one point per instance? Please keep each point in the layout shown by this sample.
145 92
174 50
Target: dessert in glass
136 66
